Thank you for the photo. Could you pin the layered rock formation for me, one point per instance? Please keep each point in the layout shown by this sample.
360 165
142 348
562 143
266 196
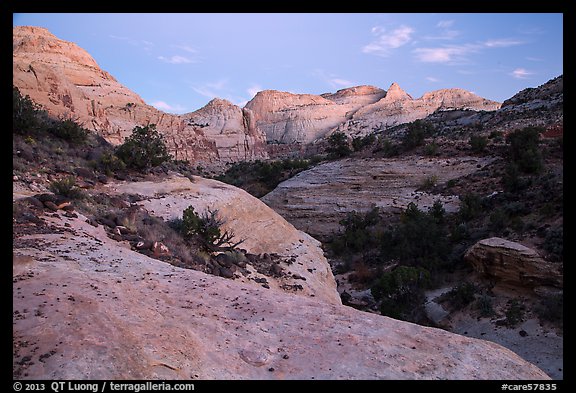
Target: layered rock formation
87 307
398 107
67 81
316 200
513 263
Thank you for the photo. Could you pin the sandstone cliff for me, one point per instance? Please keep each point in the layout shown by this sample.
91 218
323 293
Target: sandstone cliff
68 82
87 307
399 107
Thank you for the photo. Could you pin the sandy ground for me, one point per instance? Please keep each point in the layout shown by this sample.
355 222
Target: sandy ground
540 344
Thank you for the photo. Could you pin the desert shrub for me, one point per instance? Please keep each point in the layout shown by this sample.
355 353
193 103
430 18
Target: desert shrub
429 182
512 180
462 295
478 143
338 145
431 149
357 235
470 206
69 131
498 219
416 133
207 227
144 148
551 309
387 147
554 243
514 312
484 306
360 143
451 183
496 136
67 187
110 163
523 149
420 239
260 177
401 291
25 114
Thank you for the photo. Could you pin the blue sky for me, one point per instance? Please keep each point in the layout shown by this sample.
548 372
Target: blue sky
179 62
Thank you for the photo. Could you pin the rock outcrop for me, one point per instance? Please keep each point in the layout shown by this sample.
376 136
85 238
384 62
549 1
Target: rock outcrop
87 307
549 91
262 229
513 263
316 200
398 107
67 81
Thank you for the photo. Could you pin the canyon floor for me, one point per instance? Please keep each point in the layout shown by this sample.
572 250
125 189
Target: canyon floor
316 200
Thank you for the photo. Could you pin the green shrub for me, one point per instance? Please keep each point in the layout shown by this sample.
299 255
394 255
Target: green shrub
387 147
420 239
462 295
523 149
25 114
496 136
470 206
338 145
416 133
514 313
484 306
360 143
67 187
401 291
357 235
144 148
554 243
110 163
70 131
431 149
478 143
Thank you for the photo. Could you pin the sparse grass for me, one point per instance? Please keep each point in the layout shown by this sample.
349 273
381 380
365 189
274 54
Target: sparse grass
67 187
429 182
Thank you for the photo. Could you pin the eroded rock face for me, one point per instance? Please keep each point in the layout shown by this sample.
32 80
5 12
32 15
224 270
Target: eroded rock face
513 263
87 307
316 200
262 229
398 107
294 118
67 81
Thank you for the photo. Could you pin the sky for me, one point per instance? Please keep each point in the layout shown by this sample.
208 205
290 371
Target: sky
179 62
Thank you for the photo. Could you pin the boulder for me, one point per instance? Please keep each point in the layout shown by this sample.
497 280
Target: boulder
513 263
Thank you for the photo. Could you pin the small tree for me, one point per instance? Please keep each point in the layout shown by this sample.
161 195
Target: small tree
24 113
207 228
523 149
478 143
338 147
144 149
417 132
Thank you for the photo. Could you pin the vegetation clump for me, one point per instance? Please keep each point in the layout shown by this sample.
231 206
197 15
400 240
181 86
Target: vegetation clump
144 148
